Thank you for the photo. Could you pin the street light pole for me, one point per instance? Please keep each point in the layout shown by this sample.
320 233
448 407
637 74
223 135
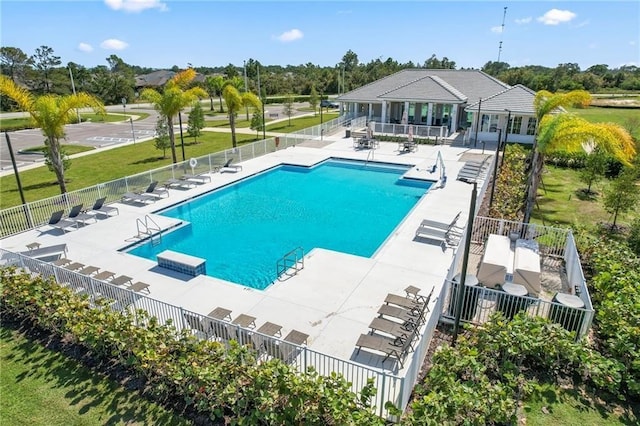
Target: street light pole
475 139
73 87
465 261
246 87
184 158
133 134
264 125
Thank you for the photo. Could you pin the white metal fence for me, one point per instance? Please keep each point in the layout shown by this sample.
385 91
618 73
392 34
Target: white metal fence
480 302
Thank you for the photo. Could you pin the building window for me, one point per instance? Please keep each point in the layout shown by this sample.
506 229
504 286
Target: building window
515 124
531 126
489 123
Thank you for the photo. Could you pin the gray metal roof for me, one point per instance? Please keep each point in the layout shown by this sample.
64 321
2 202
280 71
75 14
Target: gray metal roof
517 99
428 85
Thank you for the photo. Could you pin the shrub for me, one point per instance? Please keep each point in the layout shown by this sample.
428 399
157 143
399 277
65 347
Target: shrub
634 236
218 382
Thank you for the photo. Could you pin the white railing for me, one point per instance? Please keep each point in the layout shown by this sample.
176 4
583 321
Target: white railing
389 387
418 130
552 242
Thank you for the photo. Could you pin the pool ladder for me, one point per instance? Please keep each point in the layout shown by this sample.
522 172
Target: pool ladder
290 263
149 228
369 155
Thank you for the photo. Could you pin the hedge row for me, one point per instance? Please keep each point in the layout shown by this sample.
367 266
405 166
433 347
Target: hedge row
227 385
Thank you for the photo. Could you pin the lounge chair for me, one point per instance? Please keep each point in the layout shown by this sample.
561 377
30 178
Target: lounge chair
100 209
413 316
121 280
403 301
134 197
53 252
403 331
153 190
57 222
76 215
179 183
450 227
198 178
391 347
62 261
446 237
228 167
139 286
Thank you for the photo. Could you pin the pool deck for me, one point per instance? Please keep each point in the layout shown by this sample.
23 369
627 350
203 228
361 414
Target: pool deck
335 297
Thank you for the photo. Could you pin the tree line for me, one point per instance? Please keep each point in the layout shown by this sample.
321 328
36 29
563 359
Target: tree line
43 73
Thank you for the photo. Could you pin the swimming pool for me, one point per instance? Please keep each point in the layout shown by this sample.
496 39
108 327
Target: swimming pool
243 229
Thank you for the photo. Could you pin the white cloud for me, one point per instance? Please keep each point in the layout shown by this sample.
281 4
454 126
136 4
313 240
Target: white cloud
136 5
85 47
593 45
114 44
555 17
632 43
526 20
497 29
290 35
582 24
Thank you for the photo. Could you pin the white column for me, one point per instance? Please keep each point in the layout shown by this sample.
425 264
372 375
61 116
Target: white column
453 120
406 109
370 110
384 112
430 114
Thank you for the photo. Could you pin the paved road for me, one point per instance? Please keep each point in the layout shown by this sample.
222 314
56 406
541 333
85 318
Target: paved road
103 135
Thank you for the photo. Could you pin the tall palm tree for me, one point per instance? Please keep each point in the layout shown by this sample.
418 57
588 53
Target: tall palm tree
559 131
214 85
50 113
174 97
236 101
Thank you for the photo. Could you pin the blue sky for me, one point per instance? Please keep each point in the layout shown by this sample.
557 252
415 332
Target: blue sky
160 34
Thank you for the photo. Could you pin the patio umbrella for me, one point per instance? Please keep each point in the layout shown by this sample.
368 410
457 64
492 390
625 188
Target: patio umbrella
405 118
410 136
370 130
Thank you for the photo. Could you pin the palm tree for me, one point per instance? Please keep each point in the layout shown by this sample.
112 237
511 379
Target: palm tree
50 113
235 101
214 85
174 97
566 132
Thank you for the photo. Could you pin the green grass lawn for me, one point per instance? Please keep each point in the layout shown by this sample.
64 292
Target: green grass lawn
552 406
608 115
109 165
561 203
42 387
299 123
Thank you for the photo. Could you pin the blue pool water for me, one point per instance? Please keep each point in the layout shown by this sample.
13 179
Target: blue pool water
243 229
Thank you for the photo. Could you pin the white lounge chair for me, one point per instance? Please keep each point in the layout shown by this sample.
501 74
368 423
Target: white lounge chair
450 227
134 197
228 167
76 215
48 253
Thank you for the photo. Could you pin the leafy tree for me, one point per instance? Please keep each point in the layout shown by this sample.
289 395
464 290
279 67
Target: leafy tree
230 71
174 97
287 107
162 140
50 113
593 169
313 100
622 195
634 236
256 122
558 131
13 62
44 61
196 121
235 101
